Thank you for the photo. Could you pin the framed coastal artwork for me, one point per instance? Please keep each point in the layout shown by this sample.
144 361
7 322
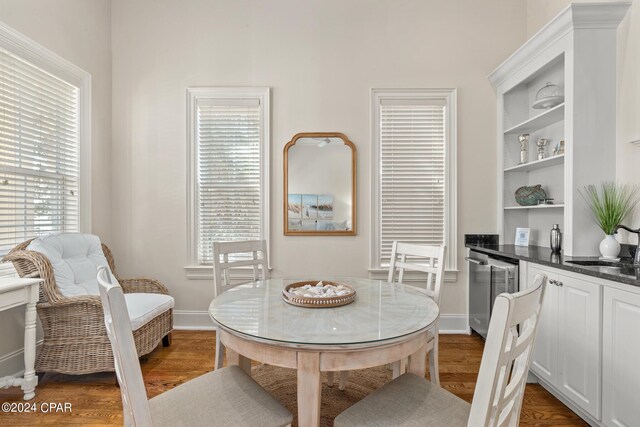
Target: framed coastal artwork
325 206
294 206
312 212
309 206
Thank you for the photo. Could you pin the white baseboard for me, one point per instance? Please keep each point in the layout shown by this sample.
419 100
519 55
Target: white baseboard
12 364
192 320
195 320
454 324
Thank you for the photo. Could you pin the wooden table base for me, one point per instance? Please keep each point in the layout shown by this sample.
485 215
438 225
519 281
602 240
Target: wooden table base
310 361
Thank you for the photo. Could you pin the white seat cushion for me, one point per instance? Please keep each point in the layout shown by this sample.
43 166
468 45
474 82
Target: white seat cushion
75 259
144 307
224 397
407 401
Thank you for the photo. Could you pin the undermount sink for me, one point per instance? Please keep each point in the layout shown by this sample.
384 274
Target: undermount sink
599 263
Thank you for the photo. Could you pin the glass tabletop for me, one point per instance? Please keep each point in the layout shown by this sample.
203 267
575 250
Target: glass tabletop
381 311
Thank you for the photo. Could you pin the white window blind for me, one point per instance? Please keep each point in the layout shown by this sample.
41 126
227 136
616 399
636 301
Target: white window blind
228 168
412 173
39 152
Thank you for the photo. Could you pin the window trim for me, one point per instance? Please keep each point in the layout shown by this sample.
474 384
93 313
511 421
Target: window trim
449 96
28 50
193 269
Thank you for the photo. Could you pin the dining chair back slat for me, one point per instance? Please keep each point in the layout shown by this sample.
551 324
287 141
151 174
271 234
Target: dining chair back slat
258 260
506 359
134 395
424 258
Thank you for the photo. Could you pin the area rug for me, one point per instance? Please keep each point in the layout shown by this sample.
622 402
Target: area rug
281 383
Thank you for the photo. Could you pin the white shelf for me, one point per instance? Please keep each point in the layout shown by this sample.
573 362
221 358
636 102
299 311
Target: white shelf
542 120
537 164
555 206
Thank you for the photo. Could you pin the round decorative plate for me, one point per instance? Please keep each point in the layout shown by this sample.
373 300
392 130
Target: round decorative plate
292 298
548 102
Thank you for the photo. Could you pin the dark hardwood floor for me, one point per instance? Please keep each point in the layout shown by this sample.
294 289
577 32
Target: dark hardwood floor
95 399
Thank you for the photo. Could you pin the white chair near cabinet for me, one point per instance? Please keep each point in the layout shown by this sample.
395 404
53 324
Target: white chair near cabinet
423 258
412 401
430 260
258 260
223 397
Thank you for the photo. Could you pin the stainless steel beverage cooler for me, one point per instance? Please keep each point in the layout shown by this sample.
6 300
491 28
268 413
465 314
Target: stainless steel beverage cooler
489 276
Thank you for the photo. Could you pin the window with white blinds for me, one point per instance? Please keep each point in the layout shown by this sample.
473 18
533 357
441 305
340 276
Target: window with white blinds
229 171
39 152
413 145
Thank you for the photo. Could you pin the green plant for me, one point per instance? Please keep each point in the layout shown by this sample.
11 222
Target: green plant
611 203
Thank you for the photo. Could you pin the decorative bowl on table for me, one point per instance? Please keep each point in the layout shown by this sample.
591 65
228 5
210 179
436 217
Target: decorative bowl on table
318 294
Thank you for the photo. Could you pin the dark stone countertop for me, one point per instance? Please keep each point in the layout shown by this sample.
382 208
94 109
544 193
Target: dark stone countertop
626 273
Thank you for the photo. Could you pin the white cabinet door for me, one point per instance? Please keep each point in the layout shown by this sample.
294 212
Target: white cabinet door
545 352
579 323
621 349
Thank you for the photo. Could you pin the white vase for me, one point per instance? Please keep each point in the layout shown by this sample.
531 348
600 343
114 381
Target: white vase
609 247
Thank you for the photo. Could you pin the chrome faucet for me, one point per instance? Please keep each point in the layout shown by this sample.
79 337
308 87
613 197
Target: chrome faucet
636 260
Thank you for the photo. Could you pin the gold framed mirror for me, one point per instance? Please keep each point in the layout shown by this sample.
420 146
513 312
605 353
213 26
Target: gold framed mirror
320 185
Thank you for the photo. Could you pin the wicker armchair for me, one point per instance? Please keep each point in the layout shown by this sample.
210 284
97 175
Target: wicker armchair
75 338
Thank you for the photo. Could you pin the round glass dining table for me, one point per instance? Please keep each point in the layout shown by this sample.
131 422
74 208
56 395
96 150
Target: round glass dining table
386 323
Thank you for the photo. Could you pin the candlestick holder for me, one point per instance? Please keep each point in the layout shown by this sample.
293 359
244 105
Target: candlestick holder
524 148
542 144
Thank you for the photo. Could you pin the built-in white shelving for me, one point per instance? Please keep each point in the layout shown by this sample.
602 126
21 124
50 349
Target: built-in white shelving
542 120
554 206
582 65
537 164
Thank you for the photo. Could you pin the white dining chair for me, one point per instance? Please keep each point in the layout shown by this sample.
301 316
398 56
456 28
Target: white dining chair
430 260
411 401
423 258
220 398
256 257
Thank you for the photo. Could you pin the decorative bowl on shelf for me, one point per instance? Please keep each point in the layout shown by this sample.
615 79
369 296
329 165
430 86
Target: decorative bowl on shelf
548 96
318 294
529 195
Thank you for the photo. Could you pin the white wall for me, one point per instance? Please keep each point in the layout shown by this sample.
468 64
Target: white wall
79 31
321 57
539 12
